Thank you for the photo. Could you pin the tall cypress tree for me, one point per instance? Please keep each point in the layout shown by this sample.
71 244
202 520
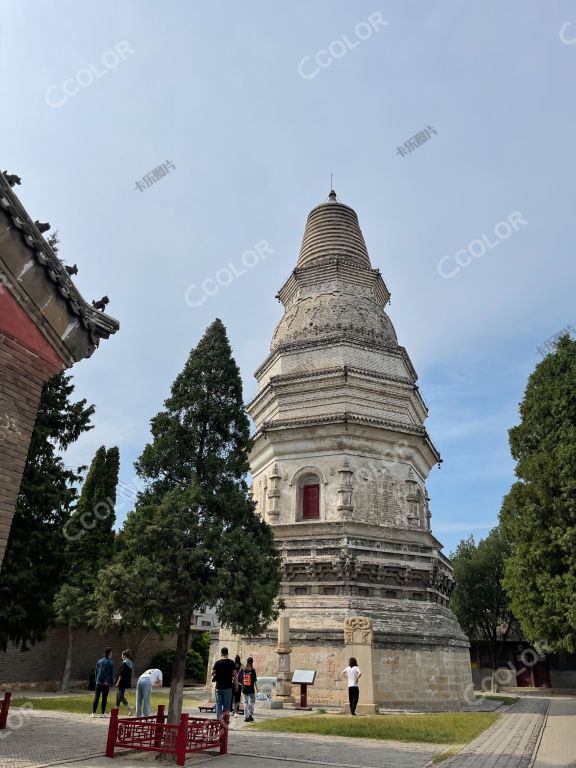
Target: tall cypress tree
538 515
35 561
194 539
90 541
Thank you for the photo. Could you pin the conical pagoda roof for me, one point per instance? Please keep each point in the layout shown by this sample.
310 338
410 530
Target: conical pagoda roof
332 231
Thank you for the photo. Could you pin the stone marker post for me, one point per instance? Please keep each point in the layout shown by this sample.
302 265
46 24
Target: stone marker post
358 641
284 675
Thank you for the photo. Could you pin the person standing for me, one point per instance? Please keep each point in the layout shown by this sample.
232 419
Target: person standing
124 680
226 679
250 690
104 678
152 678
235 708
354 675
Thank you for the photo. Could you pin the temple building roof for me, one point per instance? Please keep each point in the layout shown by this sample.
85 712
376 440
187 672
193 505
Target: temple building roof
332 230
38 281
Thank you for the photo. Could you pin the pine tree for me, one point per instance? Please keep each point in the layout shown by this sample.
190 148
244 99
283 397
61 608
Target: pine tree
35 559
538 515
90 541
194 539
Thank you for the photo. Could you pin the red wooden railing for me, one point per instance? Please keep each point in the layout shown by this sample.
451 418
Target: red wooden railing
4 707
154 734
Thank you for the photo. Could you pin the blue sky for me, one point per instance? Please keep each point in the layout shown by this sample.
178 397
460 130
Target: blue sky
216 90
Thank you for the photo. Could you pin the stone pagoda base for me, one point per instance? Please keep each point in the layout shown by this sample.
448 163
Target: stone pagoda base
415 653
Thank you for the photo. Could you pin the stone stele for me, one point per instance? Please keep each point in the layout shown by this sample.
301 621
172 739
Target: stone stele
339 466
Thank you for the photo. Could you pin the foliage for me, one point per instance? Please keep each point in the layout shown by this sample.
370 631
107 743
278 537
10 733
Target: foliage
201 644
195 666
538 515
90 538
196 516
35 561
479 600
90 541
441 728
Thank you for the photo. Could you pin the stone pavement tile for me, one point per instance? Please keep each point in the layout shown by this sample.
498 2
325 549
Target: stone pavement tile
35 738
332 750
557 748
509 743
44 739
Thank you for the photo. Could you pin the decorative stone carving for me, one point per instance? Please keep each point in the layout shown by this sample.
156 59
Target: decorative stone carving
274 493
347 565
427 511
358 630
345 505
412 497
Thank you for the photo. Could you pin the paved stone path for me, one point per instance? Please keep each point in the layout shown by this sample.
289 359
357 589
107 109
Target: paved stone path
558 745
510 743
45 738
38 738
332 750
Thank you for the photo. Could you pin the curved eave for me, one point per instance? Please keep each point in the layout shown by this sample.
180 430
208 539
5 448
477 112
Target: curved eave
97 324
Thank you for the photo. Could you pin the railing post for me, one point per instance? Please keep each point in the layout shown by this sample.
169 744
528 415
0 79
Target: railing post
181 740
4 710
159 721
112 733
224 726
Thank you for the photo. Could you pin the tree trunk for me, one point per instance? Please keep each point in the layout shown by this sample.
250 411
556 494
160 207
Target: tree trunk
68 662
179 669
494 678
494 681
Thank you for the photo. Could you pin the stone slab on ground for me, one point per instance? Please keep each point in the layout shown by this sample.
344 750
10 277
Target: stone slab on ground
510 742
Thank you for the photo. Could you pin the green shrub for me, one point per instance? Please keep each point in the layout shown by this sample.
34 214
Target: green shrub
201 644
195 665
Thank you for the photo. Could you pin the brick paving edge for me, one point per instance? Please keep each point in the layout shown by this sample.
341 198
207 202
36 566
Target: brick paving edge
540 735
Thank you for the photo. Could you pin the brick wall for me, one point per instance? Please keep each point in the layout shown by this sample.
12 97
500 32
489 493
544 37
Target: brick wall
22 376
44 662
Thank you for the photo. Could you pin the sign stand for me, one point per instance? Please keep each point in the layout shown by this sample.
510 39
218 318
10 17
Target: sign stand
303 678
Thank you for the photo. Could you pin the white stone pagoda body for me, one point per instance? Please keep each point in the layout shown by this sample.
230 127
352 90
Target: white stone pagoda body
339 465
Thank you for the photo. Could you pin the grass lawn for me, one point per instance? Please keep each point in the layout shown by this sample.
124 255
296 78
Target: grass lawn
433 728
82 704
506 700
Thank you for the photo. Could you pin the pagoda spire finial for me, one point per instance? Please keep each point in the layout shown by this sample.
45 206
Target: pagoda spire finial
332 195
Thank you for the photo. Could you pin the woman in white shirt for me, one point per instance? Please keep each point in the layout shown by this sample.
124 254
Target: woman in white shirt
354 675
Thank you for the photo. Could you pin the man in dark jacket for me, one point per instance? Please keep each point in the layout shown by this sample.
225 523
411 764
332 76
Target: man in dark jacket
104 679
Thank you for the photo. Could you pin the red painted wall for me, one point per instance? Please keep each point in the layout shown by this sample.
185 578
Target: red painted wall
14 322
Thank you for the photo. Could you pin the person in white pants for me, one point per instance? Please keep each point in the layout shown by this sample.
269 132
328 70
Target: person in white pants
152 678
